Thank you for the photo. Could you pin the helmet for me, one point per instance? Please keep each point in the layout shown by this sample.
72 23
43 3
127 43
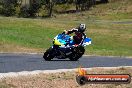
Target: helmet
82 28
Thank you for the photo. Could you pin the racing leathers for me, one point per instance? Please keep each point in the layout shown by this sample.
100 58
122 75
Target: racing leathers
78 37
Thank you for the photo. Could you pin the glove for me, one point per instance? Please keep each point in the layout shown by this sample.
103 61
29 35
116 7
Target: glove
65 31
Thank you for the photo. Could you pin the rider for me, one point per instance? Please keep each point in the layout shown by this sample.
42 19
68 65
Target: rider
79 33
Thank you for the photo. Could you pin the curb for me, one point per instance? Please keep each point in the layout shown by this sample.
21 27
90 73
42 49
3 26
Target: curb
37 72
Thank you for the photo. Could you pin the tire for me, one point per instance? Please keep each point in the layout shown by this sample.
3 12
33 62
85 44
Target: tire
48 54
80 51
81 80
77 53
74 57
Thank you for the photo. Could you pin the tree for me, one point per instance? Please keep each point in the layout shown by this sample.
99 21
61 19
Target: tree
49 4
84 4
9 7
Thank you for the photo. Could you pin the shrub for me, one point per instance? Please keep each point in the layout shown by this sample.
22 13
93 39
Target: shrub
8 10
1 9
18 11
27 11
61 7
34 9
43 11
24 11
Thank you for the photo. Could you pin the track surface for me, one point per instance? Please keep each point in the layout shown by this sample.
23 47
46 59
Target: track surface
29 62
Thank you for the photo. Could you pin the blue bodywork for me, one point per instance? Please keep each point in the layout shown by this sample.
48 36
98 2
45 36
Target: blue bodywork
65 39
67 43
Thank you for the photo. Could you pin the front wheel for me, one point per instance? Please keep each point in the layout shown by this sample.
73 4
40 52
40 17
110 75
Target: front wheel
48 54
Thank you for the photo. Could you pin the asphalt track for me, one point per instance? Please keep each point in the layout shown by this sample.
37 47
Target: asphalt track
32 62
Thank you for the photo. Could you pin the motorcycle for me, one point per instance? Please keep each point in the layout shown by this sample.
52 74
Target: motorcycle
64 47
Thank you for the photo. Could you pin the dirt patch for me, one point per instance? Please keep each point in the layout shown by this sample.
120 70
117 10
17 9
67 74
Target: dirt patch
64 80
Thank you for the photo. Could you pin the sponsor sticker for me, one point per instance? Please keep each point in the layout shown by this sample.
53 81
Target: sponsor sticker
83 78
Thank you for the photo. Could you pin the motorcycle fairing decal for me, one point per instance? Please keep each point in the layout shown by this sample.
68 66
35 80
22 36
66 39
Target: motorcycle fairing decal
87 41
62 40
56 42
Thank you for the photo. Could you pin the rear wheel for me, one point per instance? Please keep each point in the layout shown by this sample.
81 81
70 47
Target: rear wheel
80 51
77 53
48 54
74 57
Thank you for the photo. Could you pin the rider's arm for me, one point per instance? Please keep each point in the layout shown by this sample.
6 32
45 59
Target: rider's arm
71 31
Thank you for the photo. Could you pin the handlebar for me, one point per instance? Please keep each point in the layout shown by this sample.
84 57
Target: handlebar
63 33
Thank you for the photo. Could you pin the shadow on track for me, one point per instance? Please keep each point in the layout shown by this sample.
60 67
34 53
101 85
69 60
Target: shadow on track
61 60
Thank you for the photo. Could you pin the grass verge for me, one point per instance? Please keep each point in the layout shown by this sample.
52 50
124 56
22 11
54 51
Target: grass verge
109 26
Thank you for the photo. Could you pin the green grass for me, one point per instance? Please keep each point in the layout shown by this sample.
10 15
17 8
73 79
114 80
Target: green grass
25 32
108 36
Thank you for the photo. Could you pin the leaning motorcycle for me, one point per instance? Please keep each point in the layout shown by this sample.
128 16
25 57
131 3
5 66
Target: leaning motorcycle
64 47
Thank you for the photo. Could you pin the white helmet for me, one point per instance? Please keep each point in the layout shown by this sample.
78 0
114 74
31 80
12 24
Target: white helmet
82 27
